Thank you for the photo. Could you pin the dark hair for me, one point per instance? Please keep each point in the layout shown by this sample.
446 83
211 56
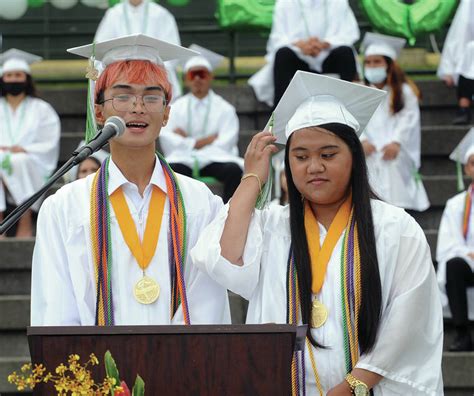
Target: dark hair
30 86
396 77
371 290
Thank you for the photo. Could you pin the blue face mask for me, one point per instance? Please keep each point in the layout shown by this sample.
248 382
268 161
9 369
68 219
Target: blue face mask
375 75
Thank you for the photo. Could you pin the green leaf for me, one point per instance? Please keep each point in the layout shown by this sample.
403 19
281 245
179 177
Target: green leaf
138 387
111 367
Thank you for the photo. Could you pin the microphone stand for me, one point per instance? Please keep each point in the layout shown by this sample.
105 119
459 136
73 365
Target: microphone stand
15 215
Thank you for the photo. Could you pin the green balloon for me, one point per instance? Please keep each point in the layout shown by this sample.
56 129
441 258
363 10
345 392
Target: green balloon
408 20
178 3
35 3
245 13
113 2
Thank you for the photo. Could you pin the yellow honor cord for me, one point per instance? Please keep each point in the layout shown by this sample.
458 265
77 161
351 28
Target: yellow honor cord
143 252
320 256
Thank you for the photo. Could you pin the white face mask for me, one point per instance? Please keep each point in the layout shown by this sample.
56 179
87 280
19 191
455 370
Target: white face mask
375 75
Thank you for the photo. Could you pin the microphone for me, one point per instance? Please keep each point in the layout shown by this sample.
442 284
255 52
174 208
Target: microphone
114 127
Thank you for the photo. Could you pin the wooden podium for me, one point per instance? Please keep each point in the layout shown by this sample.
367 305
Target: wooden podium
180 360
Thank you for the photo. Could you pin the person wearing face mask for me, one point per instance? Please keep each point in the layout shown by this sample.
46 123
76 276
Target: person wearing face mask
357 271
29 138
392 139
203 128
145 17
456 66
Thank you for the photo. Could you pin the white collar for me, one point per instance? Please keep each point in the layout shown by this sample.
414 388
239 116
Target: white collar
117 179
196 101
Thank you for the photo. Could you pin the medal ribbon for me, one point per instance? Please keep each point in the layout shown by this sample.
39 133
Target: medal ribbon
320 256
143 252
102 245
467 212
350 301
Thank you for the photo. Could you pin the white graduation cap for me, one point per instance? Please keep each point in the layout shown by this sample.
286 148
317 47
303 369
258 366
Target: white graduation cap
381 44
133 47
17 60
207 59
313 99
464 149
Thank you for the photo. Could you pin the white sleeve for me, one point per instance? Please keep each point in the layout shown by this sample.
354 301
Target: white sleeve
228 134
106 30
279 36
46 143
408 125
343 29
206 254
409 344
451 242
53 302
453 44
171 141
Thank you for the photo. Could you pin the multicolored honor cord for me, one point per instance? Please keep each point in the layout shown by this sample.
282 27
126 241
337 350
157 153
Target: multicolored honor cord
351 298
466 218
101 244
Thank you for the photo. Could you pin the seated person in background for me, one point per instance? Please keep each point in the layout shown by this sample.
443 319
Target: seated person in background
455 251
308 35
146 17
203 128
456 66
29 136
392 138
88 167
111 249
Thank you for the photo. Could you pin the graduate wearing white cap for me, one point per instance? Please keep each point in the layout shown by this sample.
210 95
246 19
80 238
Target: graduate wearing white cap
29 138
145 17
455 250
456 66
112 248
309 35
392 139
203 128
369 294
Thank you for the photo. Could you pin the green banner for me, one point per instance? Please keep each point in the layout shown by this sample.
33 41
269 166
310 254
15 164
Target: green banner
249 14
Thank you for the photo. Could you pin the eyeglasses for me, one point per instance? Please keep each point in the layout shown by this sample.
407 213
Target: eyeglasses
128 102
201 73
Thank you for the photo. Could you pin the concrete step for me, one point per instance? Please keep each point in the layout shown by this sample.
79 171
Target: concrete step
15 311
15 266
429 219
7 366
13 344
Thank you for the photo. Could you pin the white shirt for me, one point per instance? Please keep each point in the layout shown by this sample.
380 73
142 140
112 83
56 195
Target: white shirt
408 349
190 113
34 126
451 244
63 281
457 57
158 22
329 20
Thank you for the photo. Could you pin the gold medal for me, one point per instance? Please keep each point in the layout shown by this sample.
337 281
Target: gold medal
319 314
146 290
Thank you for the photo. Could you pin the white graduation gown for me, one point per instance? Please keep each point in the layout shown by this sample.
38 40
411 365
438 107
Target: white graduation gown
408 348
35 127
457 57
189 113
159 23
329 20
451 244
63 291
396 181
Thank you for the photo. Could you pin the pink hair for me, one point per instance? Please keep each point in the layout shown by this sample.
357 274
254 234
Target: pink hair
133 72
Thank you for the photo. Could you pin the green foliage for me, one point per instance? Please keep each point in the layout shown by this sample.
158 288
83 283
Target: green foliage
138 387
111 367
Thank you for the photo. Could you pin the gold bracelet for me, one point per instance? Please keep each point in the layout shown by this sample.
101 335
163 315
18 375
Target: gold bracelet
247 175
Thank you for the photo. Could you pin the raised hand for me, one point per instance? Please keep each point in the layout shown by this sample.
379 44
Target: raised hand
258 154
